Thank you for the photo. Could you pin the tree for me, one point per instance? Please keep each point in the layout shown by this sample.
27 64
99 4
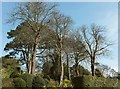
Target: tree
36 14
60 25
95 42
78 50
22 43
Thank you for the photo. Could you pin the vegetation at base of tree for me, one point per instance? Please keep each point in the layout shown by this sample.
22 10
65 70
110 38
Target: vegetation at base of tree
98 73
28 78
7 82
9 65
38 81
19 82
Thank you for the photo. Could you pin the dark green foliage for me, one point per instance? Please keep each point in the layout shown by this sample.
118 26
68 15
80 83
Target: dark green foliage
16 73
47 83
19 82
46 68
55 70
98 73
81 70
9 64
7 82
28 78
39 82
46 77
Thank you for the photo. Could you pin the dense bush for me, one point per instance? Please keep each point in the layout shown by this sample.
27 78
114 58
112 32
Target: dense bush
90 81
19 82
7 82
48 84
16 73
28 78
8 66
39 82
6 72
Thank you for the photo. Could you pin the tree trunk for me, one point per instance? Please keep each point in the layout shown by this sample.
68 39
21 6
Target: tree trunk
68 68
92 66
33 61
76 70
76 66
62 67
62 73
29 67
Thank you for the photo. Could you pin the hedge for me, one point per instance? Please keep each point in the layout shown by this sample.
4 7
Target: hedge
93 81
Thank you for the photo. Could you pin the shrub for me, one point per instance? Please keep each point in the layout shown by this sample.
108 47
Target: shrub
6 72
19 82
14 74
38 81
67 83
47 77
7 82
98 73
48 84
28 78
54 83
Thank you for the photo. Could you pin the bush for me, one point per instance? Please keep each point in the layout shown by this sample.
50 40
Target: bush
28 78
14 74
38 81
48 84
54 83
67 83
47 77
6 72
93 81
7 82
98 73
19 82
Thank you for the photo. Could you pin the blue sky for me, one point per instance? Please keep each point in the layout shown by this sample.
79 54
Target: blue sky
82 13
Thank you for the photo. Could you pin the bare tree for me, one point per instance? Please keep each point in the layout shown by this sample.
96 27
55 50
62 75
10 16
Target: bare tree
36 14
78 49
95 42
60 24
